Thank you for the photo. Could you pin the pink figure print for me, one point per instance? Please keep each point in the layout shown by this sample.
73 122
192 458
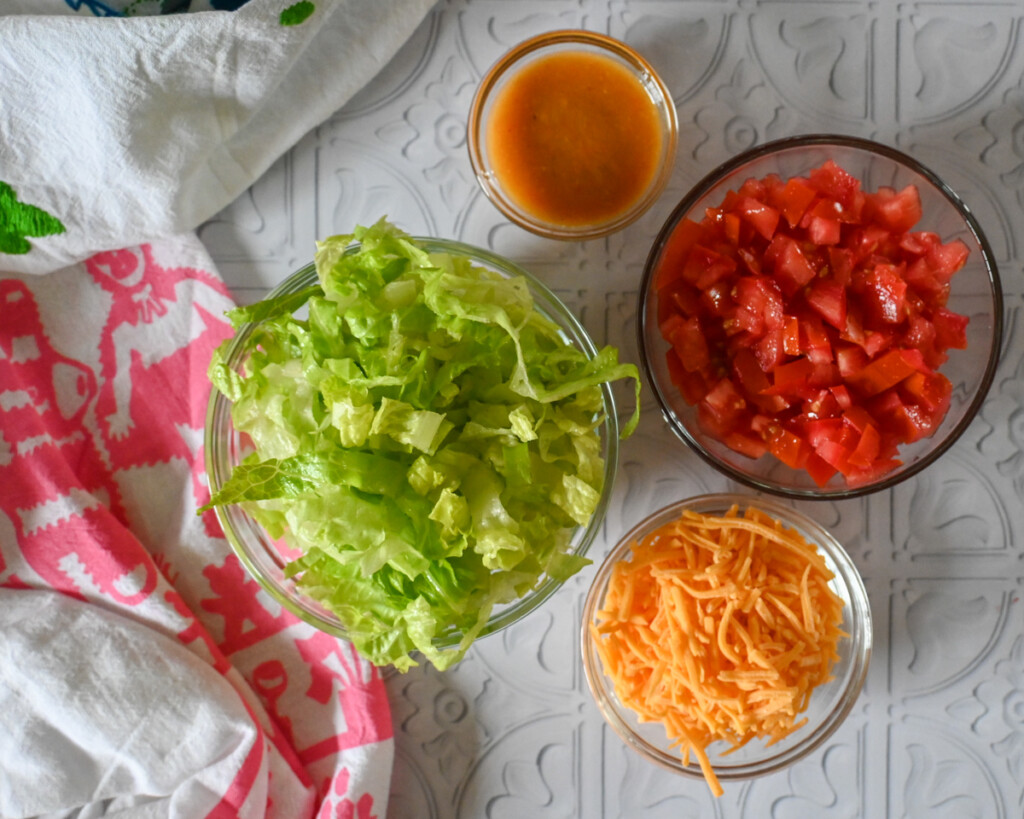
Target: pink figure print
337 804
334 666
151 403
246 621
270 680
54 486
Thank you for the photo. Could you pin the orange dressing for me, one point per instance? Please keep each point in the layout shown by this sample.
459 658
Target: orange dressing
574 138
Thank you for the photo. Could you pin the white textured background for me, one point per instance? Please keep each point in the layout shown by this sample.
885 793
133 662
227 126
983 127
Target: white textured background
512 732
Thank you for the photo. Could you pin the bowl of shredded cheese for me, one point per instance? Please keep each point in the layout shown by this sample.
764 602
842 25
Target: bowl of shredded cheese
725 637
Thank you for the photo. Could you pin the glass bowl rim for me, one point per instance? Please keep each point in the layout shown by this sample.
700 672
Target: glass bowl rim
735 163
218 417
624 54
860 647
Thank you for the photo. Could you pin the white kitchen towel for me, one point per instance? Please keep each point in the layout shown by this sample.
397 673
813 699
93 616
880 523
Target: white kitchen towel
107 715
118 130
143 672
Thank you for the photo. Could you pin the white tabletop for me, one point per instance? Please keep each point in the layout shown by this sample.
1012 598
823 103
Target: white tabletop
512 730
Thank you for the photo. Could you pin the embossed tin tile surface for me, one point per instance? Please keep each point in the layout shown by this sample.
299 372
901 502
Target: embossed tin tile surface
512 731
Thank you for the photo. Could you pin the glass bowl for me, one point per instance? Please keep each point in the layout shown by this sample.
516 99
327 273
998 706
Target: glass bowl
975 292
265 558
830 702
490 167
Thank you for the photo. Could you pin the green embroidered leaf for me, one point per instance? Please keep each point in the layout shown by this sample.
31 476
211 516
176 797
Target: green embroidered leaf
297 13
18 220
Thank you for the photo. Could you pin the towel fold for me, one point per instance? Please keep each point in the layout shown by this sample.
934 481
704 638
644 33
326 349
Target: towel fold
115 131
103 712
141 668
143 673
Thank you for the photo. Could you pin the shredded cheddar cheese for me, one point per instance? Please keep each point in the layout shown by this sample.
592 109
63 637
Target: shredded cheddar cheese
720 628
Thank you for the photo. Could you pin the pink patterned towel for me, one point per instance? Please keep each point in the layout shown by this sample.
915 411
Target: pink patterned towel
142 672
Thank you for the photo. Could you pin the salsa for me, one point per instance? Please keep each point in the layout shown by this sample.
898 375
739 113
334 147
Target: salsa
574 138
807 320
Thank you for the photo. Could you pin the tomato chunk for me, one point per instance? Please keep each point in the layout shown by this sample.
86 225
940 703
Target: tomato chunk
807 322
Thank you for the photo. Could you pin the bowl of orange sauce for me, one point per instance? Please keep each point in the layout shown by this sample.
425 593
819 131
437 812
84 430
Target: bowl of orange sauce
572 135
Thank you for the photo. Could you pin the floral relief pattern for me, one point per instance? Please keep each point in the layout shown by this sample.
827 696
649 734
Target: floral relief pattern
513 730
995 710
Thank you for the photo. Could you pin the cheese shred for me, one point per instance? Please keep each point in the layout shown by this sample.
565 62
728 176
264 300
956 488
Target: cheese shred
719 627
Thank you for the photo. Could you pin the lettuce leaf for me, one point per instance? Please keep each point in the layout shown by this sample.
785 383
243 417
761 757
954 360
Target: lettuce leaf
424 437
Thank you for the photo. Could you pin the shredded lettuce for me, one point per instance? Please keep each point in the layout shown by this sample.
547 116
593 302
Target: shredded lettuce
424 437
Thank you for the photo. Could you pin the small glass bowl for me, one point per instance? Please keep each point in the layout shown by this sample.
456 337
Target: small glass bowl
976 291
265 558
542 46
830 702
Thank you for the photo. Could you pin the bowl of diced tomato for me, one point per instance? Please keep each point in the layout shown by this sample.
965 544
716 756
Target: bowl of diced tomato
820 317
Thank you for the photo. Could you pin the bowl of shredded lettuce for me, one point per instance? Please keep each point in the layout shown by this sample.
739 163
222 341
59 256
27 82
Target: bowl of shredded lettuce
411 443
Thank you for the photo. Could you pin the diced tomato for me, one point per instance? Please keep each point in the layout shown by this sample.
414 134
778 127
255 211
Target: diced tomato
807 319
751 261
789 448
947 259
828 297
885 294
865 241
704 267
725 401
769 350
835 454
920 275
692 386
950 329
824 231
857 418
820 430
841 261
825 208
814 340
791 268
747 444
821 471
823 404
758 304
885 371
793 199
920 334
932 391
754 383
867 449
880 467
917 243
764 218
791 378
836 184
712 424
825 374
690 345
681 298
717 302
854 329
915 359
850 360
791 336
898 211
753 187
878 341
675 252
918 422
842 396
